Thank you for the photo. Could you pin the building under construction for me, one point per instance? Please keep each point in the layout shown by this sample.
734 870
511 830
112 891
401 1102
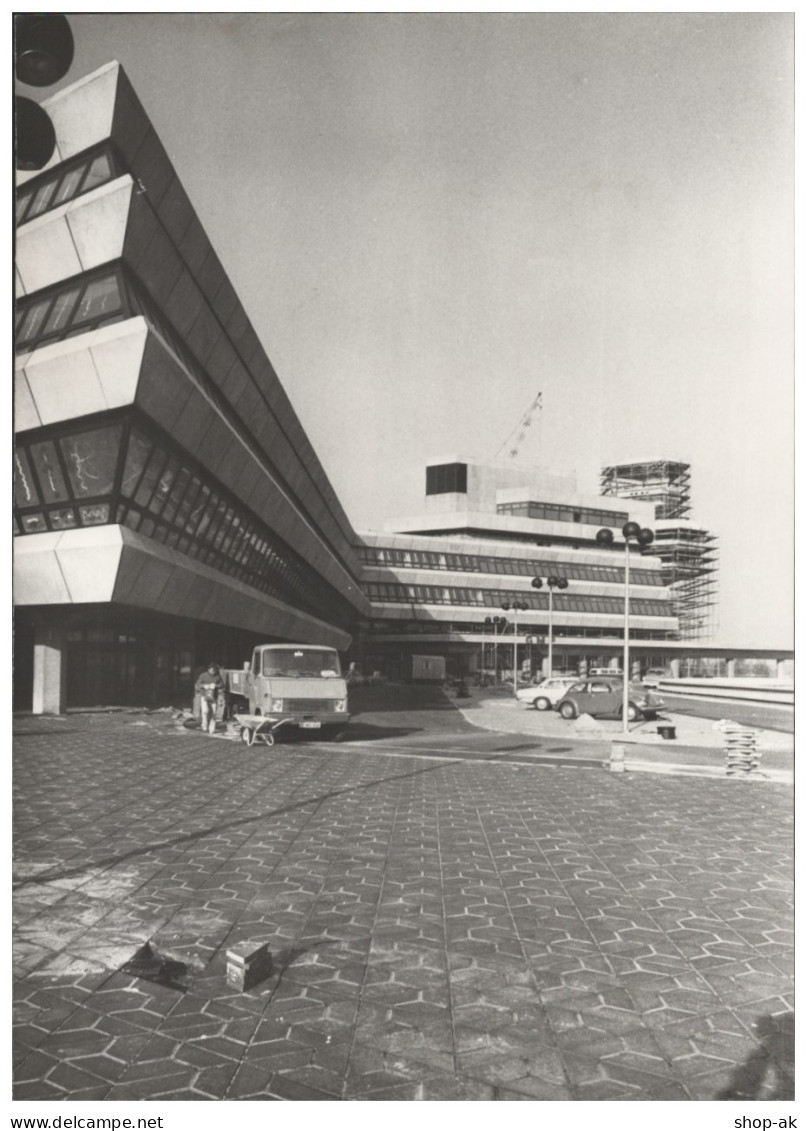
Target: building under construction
688 553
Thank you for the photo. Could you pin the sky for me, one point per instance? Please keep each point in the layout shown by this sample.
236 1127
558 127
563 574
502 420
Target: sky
430 218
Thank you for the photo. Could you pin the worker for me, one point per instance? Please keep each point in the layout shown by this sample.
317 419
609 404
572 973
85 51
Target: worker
209 686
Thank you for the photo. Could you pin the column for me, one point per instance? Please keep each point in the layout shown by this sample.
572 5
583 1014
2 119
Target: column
781 674
731 669
50 670
675 668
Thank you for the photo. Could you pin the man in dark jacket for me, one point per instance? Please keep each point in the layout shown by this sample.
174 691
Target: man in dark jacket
209 686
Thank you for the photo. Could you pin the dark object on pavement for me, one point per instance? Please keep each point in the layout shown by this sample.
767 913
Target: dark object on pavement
248 963
151 966
666 732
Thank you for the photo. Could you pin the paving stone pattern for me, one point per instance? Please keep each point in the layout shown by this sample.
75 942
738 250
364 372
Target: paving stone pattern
439 930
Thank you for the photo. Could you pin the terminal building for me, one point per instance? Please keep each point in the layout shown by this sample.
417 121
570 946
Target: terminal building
169 505
170 509
437 580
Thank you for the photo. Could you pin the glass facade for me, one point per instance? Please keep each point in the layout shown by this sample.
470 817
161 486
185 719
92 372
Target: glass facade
397 593
124 473
445 478
70 180
556 512
72 308
520 567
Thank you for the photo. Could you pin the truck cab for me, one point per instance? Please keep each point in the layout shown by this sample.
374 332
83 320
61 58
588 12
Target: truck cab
299 683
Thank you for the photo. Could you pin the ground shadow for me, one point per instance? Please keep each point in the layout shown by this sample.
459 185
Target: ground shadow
761 1076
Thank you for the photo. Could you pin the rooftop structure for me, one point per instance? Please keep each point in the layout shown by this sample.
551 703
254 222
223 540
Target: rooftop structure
688 553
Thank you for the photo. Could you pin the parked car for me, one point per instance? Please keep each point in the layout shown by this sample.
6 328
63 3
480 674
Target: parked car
547 693
606 671
603 696
653 676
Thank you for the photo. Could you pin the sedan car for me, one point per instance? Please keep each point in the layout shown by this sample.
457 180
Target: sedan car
547 693
602 696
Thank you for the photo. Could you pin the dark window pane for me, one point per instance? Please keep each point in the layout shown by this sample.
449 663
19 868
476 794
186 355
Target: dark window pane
21 205
150 477
100 171
62 519
164 484
62 308
49 472
188 502
194 523
100 297
69 186
41 199
136 455
33 320
91 459
179 488
25 493
33 523
207 512
132 519
95 515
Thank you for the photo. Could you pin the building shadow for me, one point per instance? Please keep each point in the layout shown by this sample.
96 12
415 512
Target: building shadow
762 1076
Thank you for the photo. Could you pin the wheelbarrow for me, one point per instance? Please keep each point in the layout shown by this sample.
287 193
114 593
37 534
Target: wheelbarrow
259 728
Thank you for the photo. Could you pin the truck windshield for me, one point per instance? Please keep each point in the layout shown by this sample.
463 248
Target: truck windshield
295 662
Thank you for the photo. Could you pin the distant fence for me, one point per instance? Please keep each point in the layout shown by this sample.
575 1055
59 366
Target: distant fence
743 690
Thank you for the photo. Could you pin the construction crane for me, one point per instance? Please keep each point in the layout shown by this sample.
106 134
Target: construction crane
520 430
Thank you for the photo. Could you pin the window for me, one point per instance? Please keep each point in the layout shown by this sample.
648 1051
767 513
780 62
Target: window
91 458
49 472
68 181
72 309
445 478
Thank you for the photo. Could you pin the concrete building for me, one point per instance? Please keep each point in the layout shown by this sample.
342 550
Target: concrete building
487 530
170 509
169 505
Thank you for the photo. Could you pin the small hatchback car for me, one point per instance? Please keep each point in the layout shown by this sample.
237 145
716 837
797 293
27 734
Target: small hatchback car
603 696
547 693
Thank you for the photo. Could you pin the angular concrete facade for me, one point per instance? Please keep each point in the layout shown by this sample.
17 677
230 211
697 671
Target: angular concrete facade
161 469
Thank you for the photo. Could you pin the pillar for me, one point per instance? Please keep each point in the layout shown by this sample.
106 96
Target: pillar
731 669
781 672
50 670
675 668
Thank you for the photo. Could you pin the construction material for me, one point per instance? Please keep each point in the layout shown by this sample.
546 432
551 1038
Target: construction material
742 756
248 963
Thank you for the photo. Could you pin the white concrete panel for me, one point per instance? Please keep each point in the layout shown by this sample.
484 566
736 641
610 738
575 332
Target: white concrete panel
65 387
118 361
82 112
97 222
25 414
89 571
38 580
19 286
90 536
46 253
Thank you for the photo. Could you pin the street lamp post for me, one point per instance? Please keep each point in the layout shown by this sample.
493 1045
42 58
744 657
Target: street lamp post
552 583
643 537
515 606
496 623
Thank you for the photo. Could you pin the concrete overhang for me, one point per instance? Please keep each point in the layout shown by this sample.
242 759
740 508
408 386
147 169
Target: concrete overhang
114 565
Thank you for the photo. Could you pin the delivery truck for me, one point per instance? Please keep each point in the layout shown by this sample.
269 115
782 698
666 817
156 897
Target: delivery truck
300 684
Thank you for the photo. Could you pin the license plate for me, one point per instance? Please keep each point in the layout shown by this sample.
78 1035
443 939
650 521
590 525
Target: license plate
311 724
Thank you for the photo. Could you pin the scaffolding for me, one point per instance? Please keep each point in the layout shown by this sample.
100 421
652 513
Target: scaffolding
688 554
665 483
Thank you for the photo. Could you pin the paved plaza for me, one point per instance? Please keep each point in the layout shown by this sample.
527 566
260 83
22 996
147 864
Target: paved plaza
442 926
